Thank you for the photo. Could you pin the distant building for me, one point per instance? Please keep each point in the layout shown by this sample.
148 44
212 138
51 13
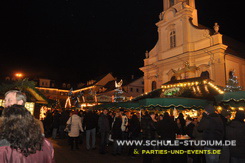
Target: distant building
53 91
186 49
95 91
131 88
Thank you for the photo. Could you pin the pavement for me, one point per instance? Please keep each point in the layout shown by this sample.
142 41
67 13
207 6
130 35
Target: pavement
63 154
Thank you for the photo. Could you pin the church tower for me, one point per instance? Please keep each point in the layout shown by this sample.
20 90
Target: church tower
169 3
183 42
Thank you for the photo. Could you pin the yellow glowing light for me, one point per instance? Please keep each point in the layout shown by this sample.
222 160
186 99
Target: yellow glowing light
30 107
68 102
52 89
87 105
219 108
194 89
83 89
232 108
206 88
19 75
198 89
241 108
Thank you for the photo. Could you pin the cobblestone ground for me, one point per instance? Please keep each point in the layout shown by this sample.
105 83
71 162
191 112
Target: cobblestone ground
63 154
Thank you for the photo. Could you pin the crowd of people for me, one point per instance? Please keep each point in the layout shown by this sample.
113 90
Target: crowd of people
23 136
122 124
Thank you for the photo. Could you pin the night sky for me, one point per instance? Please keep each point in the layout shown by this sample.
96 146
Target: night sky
77 40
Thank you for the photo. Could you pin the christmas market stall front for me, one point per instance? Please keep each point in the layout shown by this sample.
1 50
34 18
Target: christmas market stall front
186 96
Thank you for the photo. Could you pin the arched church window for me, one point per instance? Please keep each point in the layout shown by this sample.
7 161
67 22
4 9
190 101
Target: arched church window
153 85
172 39
205 74
173 78
171 3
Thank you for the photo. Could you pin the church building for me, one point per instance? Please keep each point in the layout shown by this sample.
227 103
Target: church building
185 49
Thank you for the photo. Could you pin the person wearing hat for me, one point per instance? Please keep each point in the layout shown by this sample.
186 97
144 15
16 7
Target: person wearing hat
213 129
236 131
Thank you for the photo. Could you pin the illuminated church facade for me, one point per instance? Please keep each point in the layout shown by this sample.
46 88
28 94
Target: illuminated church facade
186 49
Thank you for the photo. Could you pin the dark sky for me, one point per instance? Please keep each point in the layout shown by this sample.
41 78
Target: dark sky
78 40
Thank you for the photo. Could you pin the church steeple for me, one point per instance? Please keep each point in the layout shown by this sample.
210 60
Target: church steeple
169 3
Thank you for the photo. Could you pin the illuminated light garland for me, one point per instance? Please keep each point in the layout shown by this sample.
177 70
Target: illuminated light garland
194 89
206 88
189 84
198 89
52 89
216 88
241 108
68 102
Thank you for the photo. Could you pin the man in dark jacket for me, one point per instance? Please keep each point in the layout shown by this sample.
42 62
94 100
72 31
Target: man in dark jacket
89 124
213 129
56 123
63 119
167 129
189 127
104 129
236 131
149 133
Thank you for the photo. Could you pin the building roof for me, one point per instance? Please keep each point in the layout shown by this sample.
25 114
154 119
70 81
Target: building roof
235 47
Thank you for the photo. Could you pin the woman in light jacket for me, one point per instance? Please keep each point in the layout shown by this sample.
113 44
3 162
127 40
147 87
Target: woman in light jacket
76 126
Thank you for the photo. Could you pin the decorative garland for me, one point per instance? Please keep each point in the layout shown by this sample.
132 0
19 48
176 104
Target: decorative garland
158 107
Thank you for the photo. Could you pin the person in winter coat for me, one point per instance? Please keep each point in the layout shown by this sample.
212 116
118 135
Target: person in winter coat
134 131
213 129
76 127
181 124
104 129
56 123
236 131
90 124
116 133
189 127
63 119
148 127
16 142
124 124
167 129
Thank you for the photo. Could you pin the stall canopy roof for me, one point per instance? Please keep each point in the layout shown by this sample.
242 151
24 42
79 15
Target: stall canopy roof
234 99
199 88
159 103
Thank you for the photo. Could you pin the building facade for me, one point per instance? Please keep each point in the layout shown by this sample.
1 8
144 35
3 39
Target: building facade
186 49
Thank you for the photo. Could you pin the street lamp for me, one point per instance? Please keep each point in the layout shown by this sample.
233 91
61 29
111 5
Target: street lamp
19 75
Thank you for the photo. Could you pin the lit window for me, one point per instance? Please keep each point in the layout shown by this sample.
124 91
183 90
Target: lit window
172 39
